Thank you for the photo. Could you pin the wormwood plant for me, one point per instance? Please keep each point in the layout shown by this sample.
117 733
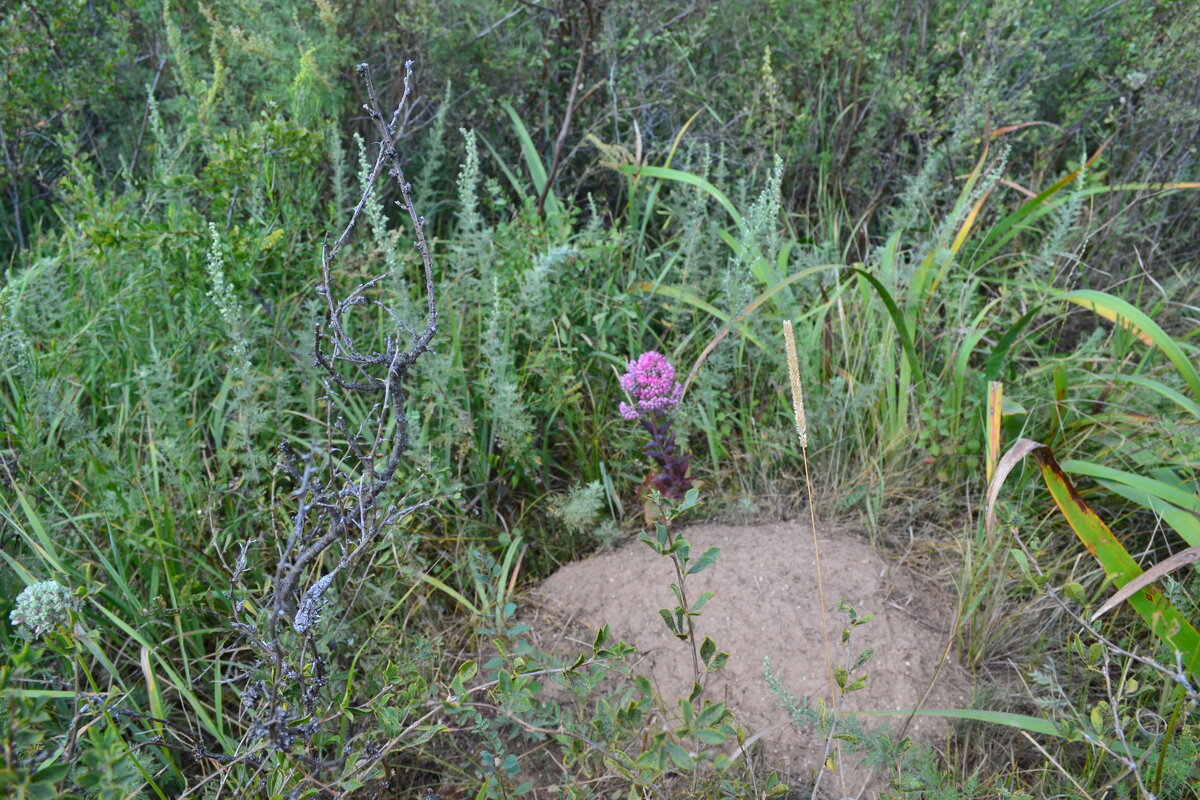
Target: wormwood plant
306 727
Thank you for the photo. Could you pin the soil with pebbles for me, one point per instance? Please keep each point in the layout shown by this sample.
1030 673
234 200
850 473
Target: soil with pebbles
765 605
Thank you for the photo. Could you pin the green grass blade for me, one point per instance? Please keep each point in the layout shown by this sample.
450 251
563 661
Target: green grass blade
1163 619
1180 521
1012 224
1165 491
1151 604
665 173
177 681
449 591
1175 396
995 362
683 296
533 159
1114 308
893 310
1020 721
516 183
36 535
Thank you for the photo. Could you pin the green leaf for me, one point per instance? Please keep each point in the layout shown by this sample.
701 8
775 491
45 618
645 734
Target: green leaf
1074 592
602 637
670 622
711 715
699 604
651 543
466 671
681 757
683 549
390 720
711 737
707 649
52 774
705 561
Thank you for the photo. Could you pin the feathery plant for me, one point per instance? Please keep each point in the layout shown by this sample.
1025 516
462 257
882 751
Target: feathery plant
290 731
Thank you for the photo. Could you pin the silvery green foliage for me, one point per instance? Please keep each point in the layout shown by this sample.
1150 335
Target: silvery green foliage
41 608
536 284
469 218
582 504
512 424
386 240
14 344
435 150
608 534
473 240
337 161
248 416
1066 218
221 293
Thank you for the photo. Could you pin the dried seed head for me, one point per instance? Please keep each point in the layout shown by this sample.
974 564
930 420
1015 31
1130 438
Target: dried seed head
789 341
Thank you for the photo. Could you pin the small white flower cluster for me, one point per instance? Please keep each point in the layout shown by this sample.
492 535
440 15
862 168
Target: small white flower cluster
41 608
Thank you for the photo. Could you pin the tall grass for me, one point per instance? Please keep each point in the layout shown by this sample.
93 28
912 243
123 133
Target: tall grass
925 239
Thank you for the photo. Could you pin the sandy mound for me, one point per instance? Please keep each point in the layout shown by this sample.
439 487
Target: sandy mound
765 605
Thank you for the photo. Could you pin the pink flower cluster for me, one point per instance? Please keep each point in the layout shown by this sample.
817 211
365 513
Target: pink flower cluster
651 383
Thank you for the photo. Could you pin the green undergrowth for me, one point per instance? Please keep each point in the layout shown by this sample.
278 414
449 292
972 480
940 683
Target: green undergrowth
995 194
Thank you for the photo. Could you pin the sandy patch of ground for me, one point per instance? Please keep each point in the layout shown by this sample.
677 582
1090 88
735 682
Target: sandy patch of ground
765 605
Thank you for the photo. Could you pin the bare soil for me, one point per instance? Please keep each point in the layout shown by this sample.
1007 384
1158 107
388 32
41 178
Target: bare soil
765 605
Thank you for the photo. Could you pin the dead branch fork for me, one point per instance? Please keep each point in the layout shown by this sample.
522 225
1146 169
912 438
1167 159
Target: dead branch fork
344 503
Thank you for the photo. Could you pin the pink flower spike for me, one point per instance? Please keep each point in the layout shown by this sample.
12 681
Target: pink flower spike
651 382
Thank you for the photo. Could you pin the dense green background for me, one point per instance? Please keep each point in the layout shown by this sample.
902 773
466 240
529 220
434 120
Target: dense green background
170 171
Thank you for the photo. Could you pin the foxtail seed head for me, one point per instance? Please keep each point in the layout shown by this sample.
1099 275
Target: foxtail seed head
789 341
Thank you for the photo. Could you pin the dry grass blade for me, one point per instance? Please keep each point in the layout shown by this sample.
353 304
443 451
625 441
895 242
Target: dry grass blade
1022 448
995 418
1148 577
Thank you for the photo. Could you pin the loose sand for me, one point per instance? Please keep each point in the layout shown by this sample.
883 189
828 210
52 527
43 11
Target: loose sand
765 606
